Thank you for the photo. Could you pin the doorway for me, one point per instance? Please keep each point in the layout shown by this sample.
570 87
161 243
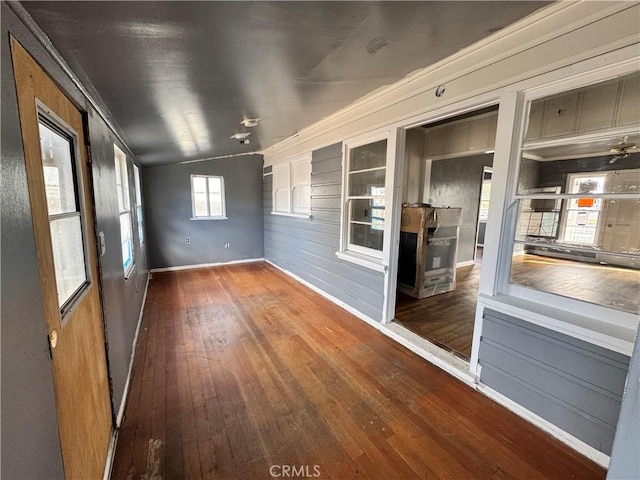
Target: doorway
447 168
62 215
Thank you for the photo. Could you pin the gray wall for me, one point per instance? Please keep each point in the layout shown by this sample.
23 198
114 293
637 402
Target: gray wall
456 182
625 461
307 247
30 446
167 202
572 384
122 299
30 443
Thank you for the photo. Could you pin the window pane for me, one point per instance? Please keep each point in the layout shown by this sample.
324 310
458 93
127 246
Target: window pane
367 183
366 236
215 204
373 155
140 229
215 185
301 199
200 204
607 285
57 164
127 243
68 256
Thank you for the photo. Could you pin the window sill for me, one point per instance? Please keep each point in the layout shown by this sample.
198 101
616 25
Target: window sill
363 260
296 215
209 218
618 338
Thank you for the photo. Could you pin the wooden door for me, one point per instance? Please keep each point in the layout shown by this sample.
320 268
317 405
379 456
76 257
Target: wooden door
62 213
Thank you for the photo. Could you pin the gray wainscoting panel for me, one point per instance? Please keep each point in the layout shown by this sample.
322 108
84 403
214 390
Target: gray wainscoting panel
307 246
575 385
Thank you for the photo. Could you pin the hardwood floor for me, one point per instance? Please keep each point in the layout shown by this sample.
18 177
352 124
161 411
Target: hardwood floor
446 319
241 372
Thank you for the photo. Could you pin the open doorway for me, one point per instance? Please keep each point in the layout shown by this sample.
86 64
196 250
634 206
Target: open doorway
447 183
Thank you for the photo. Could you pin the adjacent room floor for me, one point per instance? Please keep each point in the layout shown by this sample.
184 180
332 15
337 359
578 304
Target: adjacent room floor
240 372
447 320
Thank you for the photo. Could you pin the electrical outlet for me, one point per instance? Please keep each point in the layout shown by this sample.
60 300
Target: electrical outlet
227 245
187 240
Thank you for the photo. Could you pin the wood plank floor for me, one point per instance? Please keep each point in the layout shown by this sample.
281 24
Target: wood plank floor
447 320
241 372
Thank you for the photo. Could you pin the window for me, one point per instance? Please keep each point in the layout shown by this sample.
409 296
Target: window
136 178
364 205
124 206
65 215
292 187
576 210
207 197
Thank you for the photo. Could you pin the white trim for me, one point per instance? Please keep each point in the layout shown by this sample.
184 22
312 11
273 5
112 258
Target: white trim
111 453
366 261
223 200
295 215
466 263
578 445
204 265
432 353
125 395
594 330
517 49
210 218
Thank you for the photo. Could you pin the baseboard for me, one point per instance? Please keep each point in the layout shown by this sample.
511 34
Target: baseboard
576 444
125 394
329 297
110 455
465 264
205 265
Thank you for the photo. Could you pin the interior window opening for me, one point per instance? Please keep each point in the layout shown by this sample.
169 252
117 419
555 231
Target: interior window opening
446 194
577 206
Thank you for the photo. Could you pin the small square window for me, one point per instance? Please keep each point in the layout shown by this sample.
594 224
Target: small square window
207 197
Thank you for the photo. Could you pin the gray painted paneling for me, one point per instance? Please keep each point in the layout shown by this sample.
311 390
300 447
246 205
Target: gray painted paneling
167 199
456 182
307 247
625 461
30 444
572 384
122 298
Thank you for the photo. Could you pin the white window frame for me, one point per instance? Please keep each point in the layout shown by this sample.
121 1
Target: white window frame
597 324
136 178
124 207
285 173
364 256
223 216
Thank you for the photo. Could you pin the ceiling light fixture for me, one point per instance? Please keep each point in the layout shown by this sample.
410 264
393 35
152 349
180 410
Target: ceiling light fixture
240 136
621 151
250 122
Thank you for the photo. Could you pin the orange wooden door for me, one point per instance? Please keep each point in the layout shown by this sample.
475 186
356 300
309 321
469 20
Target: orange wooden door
62 212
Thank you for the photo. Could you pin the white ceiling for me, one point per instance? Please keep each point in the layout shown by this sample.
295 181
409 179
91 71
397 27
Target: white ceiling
179 77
